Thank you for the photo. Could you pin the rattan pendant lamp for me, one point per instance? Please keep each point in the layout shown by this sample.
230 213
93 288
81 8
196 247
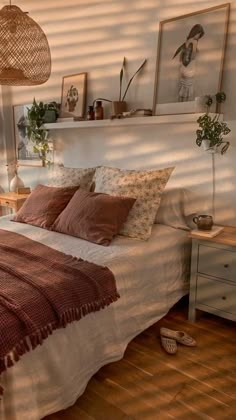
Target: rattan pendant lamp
25 57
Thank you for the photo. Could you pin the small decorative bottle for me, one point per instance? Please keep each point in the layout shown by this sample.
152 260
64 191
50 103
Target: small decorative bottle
98 110
90 113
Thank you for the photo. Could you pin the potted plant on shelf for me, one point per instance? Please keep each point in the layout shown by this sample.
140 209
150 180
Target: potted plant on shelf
38 114
118 107
211 131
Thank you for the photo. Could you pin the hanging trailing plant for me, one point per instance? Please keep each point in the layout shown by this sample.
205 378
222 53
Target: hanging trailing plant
211 128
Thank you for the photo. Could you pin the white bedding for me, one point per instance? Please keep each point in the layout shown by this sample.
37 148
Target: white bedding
150 276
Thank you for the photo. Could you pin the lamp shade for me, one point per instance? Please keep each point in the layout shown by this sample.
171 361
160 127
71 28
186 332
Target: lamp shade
25 57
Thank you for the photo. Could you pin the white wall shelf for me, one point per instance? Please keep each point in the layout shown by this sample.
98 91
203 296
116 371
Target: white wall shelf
125 122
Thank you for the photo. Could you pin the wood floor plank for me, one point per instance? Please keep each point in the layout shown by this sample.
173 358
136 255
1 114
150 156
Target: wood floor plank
100 408
148 384
142 386
133 403
203 403
214 377
209 349
72 413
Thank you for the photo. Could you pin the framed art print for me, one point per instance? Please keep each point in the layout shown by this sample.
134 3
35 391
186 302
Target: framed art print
25 153
190 59
73 96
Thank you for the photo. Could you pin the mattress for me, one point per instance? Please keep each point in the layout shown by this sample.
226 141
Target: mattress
151 276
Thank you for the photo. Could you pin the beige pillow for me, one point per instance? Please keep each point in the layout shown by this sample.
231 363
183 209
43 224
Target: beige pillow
60 176
145 186
171 209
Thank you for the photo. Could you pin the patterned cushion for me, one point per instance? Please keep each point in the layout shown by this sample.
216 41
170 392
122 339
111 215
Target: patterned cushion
60 176
145 186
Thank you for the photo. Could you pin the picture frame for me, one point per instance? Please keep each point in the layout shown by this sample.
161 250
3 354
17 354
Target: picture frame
24 147
190 59
73 96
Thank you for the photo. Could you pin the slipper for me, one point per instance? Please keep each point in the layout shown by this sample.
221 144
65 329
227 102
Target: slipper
180 336
169 345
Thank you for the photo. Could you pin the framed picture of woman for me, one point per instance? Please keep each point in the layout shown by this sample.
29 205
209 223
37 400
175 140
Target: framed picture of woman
190 59
73 96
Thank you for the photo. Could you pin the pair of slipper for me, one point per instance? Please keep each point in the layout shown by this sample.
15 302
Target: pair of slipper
170 338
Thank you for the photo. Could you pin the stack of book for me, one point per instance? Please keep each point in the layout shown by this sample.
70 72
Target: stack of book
215 230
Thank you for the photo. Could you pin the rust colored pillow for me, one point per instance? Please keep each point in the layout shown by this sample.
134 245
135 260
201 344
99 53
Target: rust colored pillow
44 205
96 217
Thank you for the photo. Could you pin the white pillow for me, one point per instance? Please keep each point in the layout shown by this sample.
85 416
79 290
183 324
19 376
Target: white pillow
145 186
59 176
171 210
177 208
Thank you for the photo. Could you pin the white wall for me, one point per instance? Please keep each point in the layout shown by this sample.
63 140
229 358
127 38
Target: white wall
155 147
94 36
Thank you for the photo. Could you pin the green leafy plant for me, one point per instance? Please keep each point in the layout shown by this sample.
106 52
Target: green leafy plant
122 98
211 128
39 135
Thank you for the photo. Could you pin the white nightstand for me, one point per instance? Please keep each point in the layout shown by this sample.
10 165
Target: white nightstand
213 275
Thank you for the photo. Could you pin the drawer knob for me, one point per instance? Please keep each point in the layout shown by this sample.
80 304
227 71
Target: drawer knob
7 202
226 265
224 297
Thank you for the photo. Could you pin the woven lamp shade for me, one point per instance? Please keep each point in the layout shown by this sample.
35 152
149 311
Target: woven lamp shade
25 57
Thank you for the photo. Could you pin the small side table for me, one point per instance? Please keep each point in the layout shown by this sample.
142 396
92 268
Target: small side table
12 200
213 275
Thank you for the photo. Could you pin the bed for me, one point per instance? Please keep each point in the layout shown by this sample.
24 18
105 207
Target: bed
151 276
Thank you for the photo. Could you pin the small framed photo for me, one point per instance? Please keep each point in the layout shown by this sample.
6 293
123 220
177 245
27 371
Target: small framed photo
73 96
190 59
26 155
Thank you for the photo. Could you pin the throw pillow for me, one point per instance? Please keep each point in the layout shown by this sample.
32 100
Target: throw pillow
44 205
93 216
145 186
59 176
171 210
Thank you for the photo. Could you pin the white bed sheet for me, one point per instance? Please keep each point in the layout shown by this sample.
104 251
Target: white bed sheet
150 276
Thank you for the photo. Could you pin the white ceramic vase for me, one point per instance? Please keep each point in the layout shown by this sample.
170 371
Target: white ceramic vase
15 183
207 148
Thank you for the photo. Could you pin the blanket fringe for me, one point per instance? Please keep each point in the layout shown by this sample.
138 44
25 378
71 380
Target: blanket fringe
37 338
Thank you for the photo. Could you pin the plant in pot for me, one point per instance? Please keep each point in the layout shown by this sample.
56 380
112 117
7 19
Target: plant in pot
37 115
211 131
118 107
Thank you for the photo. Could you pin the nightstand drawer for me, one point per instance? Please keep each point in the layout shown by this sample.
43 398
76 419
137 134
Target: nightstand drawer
217 262
216 294
7 203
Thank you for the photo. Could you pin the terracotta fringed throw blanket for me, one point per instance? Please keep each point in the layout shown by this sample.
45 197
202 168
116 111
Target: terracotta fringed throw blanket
42 289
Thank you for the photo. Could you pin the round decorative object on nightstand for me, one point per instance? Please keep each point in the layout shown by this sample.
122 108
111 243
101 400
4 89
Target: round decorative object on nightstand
203 221
15 183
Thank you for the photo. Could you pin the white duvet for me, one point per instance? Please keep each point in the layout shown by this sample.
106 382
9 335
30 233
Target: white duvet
151 276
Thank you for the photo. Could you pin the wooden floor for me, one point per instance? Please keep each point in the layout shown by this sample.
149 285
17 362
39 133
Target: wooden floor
148 384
